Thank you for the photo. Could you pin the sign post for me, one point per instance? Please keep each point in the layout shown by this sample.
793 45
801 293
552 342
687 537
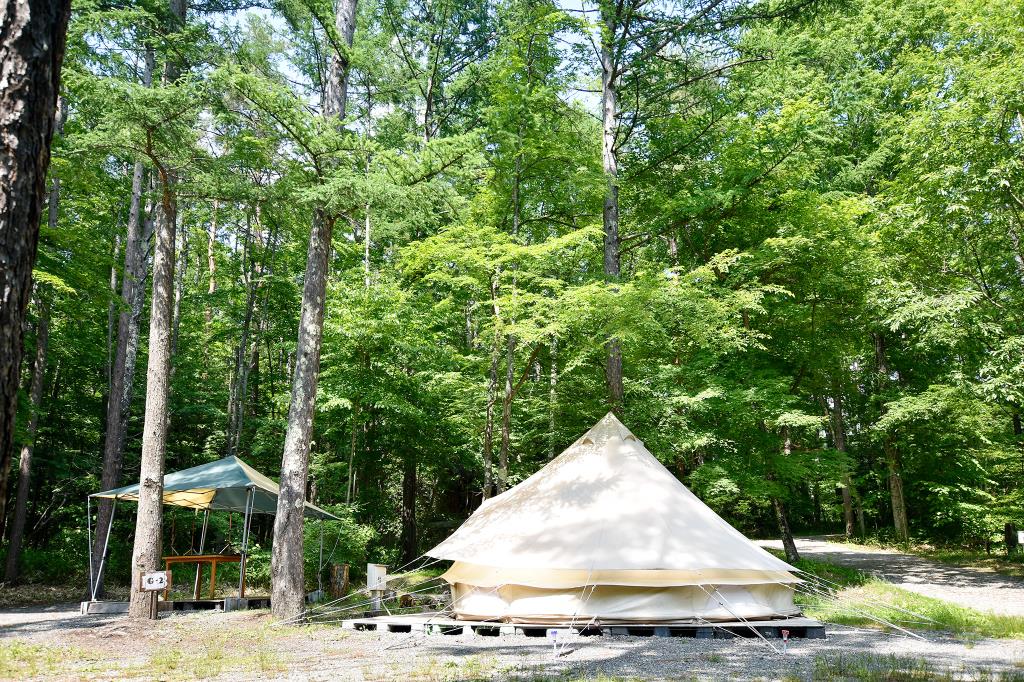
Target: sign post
376 583
155 582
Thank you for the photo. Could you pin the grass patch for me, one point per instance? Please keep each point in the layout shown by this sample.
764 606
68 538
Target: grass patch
859 597
1012 565
19 660
832 573
413 579
882 600
871 668
229 650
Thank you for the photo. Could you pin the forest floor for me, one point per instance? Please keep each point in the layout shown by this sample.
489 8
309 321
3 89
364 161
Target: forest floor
55 643
976 588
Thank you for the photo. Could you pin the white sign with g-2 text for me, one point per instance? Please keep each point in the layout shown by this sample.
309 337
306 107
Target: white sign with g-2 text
152 582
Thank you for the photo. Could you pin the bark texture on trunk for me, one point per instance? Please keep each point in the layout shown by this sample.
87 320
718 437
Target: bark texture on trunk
782 518
899 504
506 413
492 397
32 38
286 562
243 353
409 541
839 438
610 162
179 289
211 266
25 464
112 316
892 456
553 399
149 519
288 580
126 350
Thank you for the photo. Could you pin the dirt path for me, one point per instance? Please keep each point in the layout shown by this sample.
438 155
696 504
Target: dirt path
982 590
36 620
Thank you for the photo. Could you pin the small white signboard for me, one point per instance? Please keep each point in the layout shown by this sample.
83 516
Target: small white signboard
376 577
152 582
1020 537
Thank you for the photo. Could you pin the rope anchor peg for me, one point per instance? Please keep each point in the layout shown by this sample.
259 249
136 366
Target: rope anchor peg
785 640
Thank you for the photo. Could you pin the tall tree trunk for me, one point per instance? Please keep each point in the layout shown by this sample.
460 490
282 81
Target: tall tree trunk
211 265
839 438
366 169
32 38
892 456
239 387
149 518
492 398
53 201
288 581
492 393
510 339
788 543
112 317
610 162
1018 432
179 290
506 413
899 505
126 350
408 541
354 426
781 516
25 464
553 398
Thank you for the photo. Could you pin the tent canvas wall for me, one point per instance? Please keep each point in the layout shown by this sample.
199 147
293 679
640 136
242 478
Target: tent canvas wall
605 532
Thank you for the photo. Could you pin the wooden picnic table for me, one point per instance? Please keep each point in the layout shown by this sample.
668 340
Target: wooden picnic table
199 560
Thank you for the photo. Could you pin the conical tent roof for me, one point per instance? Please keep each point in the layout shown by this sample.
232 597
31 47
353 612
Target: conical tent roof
221 485
604 511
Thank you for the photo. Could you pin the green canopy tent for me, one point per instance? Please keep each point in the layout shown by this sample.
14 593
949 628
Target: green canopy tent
229 484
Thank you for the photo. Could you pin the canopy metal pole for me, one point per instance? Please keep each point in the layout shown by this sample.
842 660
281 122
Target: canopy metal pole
245 542
320 564
106 542
88 532
202 546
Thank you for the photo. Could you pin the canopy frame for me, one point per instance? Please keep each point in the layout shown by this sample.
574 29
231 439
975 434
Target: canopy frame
94 582
197 488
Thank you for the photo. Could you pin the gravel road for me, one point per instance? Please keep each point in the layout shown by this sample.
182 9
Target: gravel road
981 590
244 645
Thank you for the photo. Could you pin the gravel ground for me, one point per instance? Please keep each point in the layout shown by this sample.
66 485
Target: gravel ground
244 645
61 644
981 590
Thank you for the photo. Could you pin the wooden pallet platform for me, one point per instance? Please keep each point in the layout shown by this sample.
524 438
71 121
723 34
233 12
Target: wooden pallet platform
436 625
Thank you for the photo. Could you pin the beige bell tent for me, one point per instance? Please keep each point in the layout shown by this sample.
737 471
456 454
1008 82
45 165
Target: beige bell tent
604 532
